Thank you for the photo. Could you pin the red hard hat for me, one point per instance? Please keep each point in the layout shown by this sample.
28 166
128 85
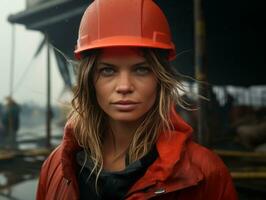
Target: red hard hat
110 23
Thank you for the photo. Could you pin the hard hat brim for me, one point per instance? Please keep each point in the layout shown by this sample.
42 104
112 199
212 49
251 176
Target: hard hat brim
84 45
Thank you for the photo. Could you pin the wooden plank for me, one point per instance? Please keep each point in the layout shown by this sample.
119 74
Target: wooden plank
9 154
240 153
249 175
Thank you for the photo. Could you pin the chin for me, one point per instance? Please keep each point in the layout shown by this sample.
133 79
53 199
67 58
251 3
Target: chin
126 116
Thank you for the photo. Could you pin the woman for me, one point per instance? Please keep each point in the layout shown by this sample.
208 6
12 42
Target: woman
123 139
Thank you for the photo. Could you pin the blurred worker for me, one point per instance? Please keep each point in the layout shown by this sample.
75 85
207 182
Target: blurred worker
10 120
2 133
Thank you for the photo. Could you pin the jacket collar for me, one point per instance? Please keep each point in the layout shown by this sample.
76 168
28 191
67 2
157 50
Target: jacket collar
69 149
173 169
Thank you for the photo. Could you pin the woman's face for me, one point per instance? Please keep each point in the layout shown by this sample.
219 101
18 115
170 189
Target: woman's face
125 85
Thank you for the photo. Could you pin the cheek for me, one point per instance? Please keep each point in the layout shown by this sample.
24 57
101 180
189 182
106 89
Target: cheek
150 91
102 91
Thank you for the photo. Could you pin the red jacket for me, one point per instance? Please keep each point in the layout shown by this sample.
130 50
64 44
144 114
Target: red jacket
184 170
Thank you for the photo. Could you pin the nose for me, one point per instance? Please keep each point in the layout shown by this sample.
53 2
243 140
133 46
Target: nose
124 84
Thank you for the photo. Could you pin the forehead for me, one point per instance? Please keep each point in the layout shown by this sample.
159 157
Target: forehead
121 55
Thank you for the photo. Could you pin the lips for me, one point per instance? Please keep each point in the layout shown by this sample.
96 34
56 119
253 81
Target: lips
125 102
125 105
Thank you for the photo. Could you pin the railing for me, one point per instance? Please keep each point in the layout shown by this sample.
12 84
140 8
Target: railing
245 165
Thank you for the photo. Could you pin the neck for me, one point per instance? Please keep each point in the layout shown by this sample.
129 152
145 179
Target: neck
121 133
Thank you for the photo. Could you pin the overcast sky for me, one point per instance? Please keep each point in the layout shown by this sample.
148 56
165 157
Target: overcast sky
33 86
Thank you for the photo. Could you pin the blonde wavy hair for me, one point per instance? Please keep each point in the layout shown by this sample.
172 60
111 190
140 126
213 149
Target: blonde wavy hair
89 120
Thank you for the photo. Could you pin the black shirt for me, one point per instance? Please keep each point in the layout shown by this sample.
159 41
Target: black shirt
111 185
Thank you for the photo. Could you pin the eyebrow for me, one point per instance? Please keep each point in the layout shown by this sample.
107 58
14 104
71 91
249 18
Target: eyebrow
135 65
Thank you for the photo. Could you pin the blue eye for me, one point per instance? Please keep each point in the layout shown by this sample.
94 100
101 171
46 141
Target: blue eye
107 71
142 70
